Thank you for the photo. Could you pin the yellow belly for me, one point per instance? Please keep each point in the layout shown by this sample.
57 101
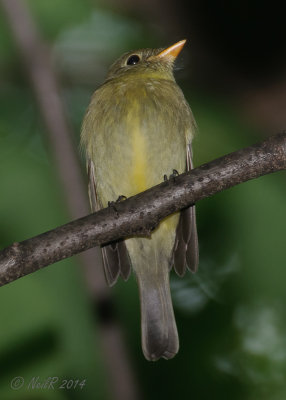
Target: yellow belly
139 166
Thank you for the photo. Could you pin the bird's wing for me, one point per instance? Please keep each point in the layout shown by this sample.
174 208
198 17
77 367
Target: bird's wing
115 256
116 261
94 203
186 248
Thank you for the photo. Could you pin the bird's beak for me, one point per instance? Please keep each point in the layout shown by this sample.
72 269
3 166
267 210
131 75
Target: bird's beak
172 51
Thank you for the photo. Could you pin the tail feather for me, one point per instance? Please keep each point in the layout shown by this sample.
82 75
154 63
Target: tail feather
158 325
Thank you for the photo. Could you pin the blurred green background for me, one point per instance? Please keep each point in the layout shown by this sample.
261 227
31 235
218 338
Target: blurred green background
230 315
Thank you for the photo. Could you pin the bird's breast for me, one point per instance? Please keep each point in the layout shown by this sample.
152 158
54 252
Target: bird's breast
140 138
139 167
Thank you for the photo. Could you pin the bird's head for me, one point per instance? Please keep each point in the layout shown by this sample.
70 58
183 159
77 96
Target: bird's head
149 63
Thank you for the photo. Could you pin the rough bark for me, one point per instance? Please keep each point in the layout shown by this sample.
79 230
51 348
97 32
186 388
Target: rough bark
139 215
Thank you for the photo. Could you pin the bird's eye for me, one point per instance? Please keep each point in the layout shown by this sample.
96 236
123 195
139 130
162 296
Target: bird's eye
132 60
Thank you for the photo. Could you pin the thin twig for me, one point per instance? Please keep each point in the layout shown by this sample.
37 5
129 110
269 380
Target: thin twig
139 215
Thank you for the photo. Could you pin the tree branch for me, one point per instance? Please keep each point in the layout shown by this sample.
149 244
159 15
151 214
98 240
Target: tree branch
139 215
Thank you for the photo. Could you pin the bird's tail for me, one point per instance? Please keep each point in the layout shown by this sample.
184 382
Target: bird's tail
158 325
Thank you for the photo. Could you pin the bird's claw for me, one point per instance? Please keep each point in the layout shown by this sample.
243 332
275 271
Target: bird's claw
121 198
112 204
172 176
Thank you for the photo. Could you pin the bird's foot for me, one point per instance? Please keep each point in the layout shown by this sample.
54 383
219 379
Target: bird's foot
121 198
172 176
112 204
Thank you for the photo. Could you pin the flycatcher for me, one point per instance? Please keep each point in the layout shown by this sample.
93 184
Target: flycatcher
138 128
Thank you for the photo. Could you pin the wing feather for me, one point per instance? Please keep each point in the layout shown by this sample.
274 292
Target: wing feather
186 248
116 260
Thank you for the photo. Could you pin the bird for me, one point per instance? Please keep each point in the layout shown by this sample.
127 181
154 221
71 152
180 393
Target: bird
137 129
